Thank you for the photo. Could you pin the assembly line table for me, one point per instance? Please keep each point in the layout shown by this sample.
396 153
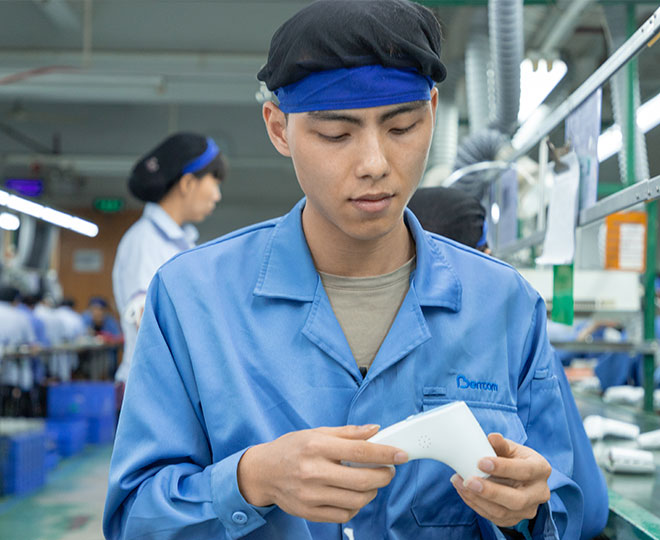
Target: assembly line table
634 498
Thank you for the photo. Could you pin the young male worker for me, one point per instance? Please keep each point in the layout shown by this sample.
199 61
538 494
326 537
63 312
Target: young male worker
266 358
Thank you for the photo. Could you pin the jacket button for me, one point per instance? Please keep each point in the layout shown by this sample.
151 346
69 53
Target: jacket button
239 517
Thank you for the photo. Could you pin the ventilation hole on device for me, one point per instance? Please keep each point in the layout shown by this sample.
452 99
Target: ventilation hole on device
424 441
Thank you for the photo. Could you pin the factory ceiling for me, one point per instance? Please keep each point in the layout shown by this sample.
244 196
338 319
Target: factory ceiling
86 86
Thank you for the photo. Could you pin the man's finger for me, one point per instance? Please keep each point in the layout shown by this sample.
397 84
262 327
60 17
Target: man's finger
329 514
359 479
518 469
351 432
341 498
515 499
476 506
500 444
356 451
500 514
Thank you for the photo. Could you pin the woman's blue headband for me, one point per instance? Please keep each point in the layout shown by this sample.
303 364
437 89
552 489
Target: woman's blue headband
202 161
484 236
354 88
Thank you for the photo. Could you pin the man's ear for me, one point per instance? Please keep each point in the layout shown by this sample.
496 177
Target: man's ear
434 102
276 127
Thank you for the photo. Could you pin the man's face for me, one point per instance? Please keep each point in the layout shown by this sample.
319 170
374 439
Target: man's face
359 167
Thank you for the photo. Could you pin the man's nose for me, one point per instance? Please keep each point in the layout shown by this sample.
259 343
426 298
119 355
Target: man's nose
373 163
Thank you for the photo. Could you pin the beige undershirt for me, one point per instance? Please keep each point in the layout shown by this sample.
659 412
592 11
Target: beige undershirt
366 307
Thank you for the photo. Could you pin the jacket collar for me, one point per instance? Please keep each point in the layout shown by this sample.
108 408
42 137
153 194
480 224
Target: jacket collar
288 272
170 228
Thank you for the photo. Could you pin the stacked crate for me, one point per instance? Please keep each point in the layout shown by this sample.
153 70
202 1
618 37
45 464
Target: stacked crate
22 457
91 403
66 436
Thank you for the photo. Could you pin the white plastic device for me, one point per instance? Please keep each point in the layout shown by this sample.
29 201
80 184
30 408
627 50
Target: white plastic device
632 395
449 433
649 440
630 460
598 427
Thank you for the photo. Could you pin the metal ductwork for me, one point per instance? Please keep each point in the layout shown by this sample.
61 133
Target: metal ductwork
478 84
505 22
507 47
477 148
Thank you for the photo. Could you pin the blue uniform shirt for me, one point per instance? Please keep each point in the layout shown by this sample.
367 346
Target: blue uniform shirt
239 345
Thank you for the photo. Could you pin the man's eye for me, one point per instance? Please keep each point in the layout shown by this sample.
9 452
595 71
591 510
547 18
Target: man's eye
333 138
401 131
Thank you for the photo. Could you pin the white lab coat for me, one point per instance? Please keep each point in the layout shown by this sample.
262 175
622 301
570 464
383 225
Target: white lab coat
150 242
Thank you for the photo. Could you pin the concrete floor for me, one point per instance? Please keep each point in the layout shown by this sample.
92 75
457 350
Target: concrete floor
69 507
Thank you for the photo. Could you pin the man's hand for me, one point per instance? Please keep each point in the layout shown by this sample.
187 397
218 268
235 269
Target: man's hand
302 472
517 486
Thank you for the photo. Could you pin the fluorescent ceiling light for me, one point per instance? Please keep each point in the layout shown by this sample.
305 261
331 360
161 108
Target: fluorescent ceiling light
610 141
648 114
9 222
536 84
48 214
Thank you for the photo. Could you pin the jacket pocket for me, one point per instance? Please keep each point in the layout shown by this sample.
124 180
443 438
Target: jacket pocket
436 503
547 423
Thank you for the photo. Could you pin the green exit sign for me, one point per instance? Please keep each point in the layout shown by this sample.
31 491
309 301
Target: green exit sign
108 205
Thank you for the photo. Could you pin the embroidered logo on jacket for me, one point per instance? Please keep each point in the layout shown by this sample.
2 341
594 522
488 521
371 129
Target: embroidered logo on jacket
463 382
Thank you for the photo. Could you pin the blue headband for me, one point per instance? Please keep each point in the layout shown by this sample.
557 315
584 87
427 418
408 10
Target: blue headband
202 161
354 88
483 240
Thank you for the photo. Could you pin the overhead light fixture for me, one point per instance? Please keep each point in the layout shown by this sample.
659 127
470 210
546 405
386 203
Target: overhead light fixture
610 141
50 215
537 80
9 222
648 114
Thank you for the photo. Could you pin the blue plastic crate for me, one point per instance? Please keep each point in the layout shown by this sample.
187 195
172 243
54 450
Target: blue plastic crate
101 430
51 461
22 462
68 434
81 399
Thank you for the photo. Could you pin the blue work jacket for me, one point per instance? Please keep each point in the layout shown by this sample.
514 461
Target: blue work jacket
239 345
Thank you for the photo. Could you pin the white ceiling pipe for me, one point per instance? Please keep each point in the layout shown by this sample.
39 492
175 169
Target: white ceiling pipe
121 165
79 88
215 65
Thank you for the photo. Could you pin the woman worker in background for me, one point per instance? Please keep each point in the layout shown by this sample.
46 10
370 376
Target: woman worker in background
179 181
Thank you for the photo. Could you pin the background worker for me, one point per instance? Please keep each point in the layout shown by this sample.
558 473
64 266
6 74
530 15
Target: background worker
99 320
452 213
179 180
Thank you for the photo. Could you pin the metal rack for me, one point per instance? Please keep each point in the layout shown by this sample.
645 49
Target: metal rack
644 191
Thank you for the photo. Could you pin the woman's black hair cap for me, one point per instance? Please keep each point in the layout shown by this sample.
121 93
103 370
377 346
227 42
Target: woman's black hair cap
159 169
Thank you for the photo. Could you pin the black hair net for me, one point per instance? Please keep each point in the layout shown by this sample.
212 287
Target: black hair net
333 34
449 212
157 171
